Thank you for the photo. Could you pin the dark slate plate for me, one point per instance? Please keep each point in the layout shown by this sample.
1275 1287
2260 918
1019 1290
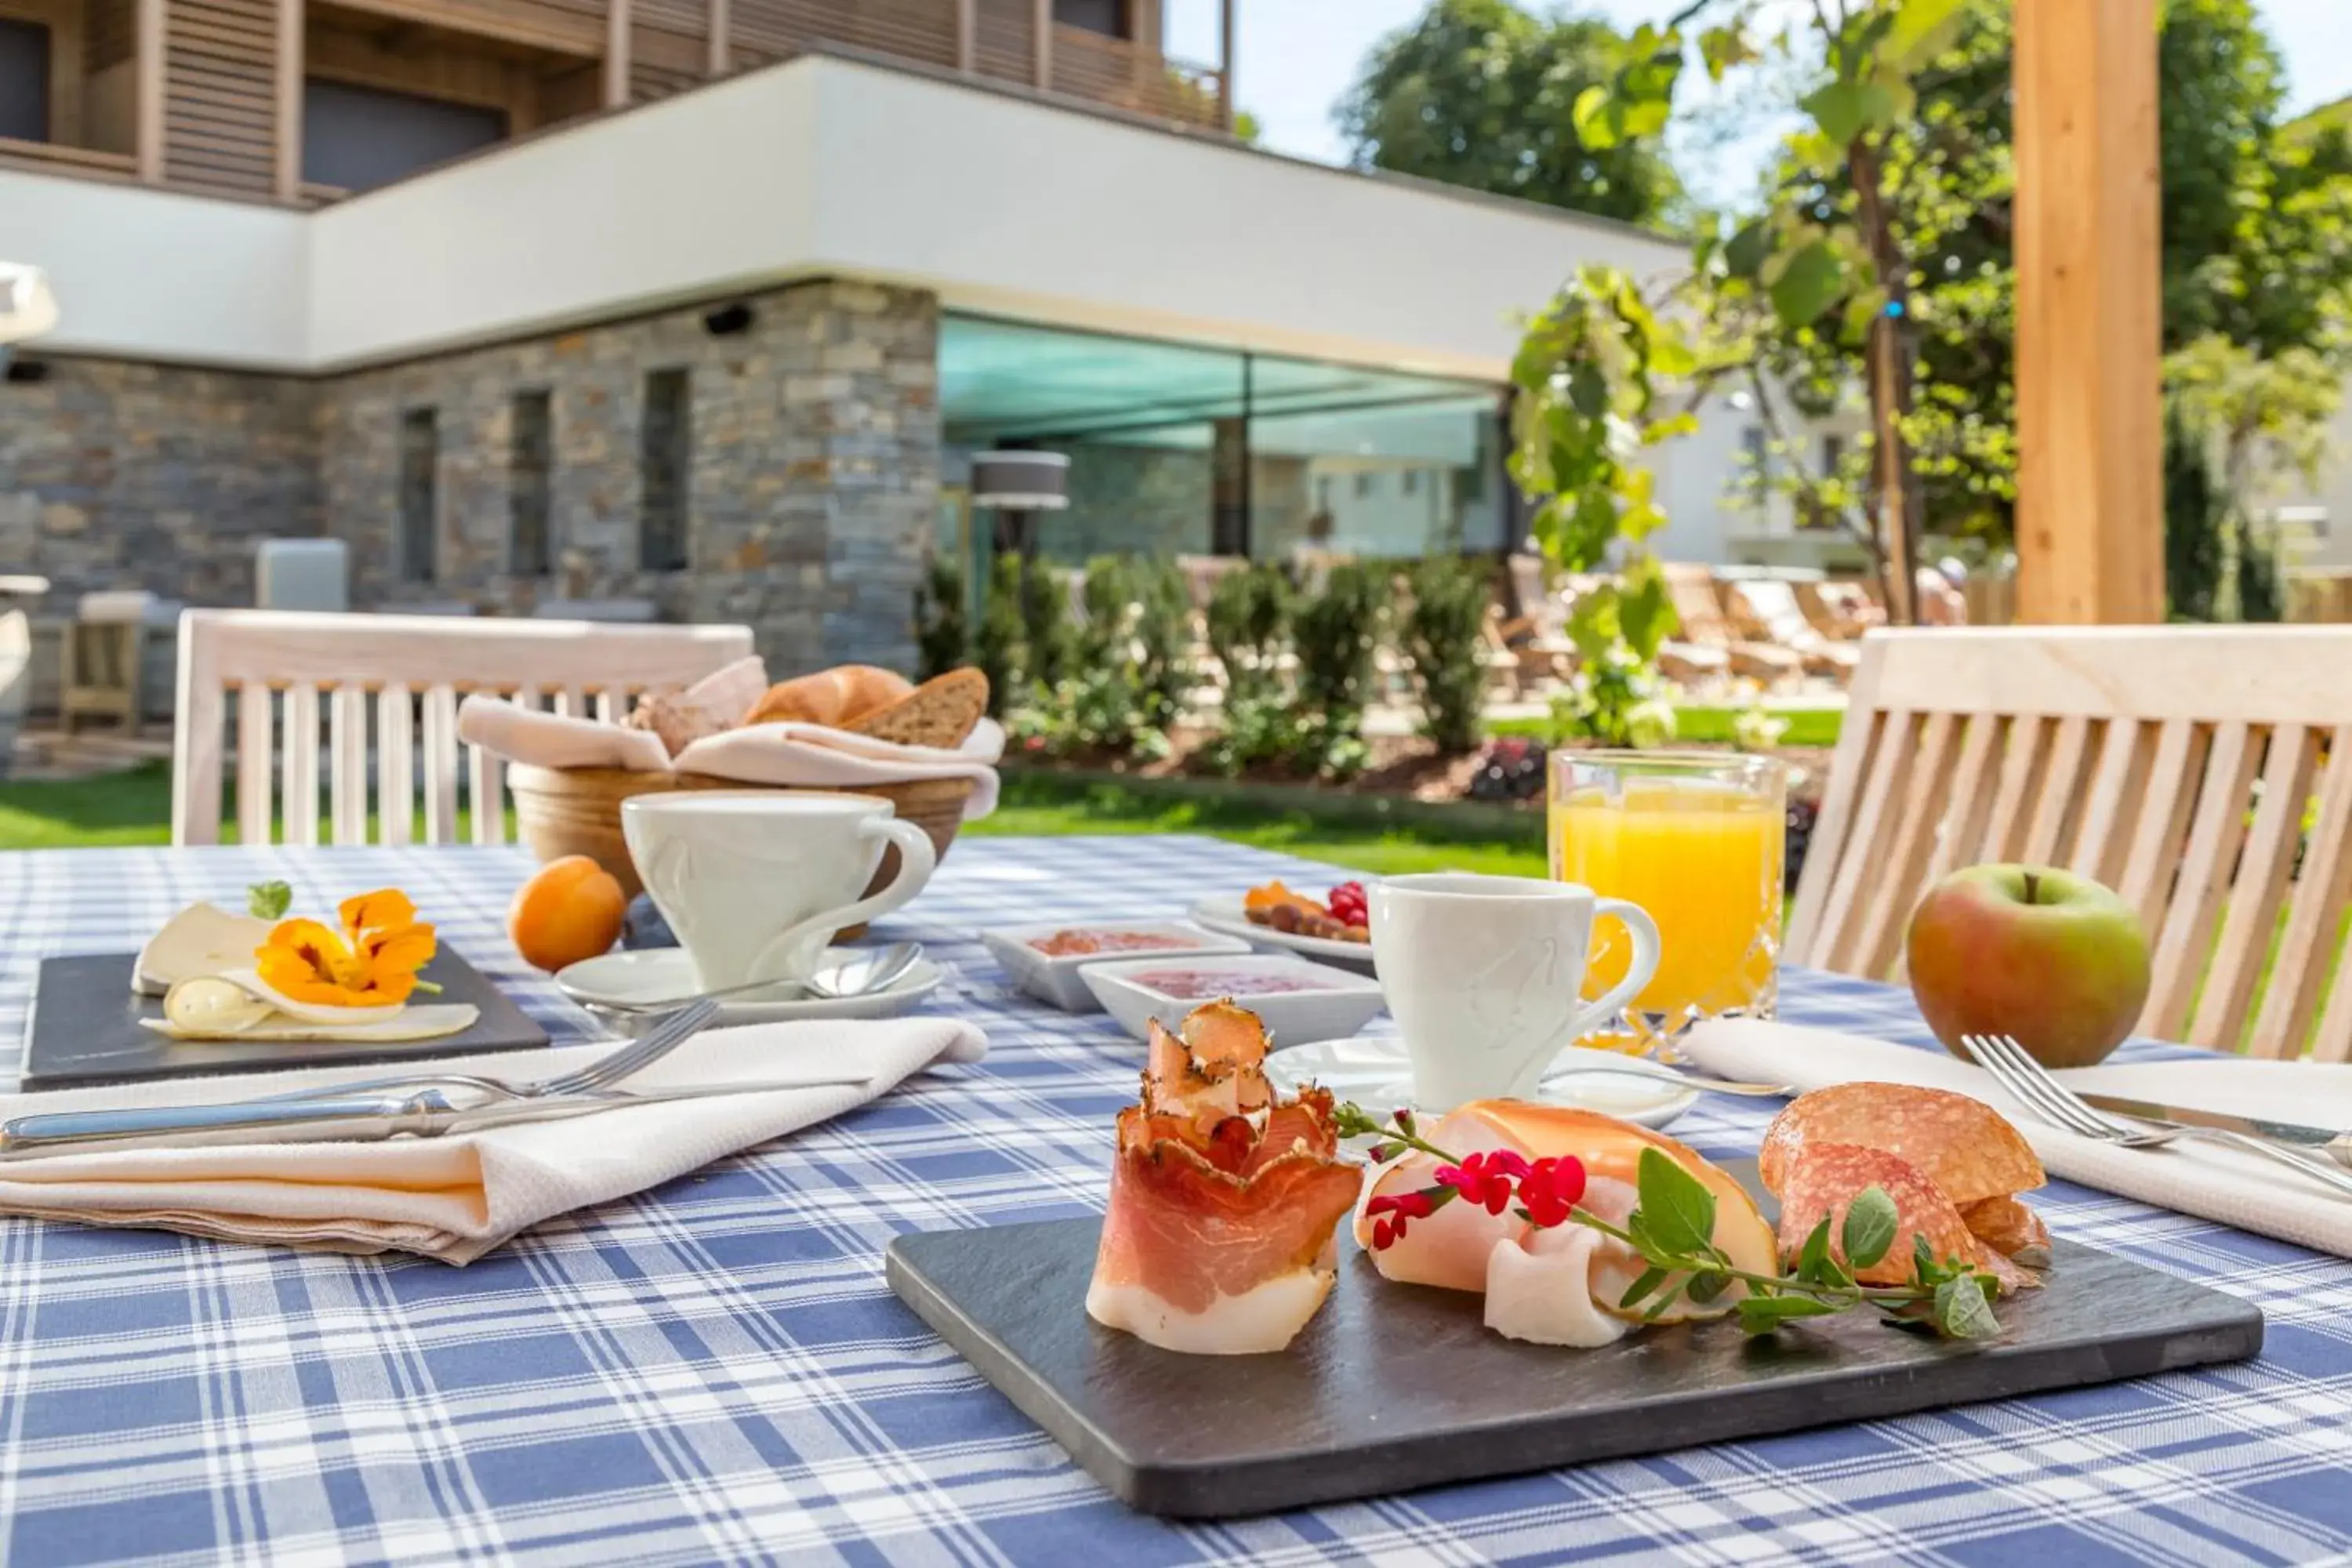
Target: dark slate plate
85 1030
1396 1386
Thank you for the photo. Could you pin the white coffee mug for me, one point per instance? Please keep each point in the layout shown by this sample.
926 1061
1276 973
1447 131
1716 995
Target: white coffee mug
1485 976
755 882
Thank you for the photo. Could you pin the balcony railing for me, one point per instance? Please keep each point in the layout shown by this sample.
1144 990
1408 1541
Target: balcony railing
59 158
218 83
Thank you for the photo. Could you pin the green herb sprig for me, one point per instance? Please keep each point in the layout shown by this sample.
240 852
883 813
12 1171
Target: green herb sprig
268 901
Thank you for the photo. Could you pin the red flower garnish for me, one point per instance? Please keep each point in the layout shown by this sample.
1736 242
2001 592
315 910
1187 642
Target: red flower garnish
1550 1188
1403 1206
1486 1179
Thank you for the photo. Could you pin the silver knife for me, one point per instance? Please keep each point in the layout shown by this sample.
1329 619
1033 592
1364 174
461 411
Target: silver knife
363 1119
2337 1146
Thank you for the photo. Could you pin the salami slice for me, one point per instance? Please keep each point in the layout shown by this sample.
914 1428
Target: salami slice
1825 1179
1963 1146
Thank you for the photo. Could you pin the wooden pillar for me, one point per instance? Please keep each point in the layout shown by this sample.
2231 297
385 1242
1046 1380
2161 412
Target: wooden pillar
967 36
1225 63
289 99
2090 502
1042 27
616 53
720 23
150 41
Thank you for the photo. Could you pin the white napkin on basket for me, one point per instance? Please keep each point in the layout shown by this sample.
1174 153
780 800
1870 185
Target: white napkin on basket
454 1198
2196 1178
803 756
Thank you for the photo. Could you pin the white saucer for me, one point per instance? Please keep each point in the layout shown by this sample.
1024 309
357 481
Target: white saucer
1376 1075
637 976
1226 915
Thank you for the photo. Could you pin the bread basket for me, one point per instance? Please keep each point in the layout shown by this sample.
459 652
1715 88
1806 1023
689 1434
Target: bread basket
577 811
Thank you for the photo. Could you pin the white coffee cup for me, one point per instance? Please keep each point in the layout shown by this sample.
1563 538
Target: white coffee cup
755 882
1484 975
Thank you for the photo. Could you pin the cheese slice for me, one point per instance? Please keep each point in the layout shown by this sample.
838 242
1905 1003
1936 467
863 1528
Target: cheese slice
201 940
431 1023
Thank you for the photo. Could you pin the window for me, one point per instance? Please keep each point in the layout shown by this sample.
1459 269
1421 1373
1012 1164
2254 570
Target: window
420 493
530 458
1363 483
1758 449
24 81
1108 17
665 461
1833 454
359 137
1411 481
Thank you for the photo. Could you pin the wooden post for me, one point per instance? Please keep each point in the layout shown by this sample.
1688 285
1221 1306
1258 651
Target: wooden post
967 36
2090 503
1226 64
290 16
1042 65
616 53
719 61
150 41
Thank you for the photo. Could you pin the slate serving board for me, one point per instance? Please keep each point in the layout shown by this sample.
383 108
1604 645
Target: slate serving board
1397 1386
85 1030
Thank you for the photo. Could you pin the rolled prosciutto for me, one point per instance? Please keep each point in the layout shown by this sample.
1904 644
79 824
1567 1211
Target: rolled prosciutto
1219 1237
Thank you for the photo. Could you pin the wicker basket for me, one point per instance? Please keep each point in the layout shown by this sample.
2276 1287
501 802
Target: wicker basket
577 811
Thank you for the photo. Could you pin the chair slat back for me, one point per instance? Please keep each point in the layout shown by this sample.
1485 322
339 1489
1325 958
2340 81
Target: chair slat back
2205 774
408 672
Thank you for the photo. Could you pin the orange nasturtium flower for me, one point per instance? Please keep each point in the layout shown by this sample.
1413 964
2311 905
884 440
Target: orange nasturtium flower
372 964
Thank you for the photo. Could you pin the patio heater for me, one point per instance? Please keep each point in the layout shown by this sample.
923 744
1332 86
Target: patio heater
1014 484
28 309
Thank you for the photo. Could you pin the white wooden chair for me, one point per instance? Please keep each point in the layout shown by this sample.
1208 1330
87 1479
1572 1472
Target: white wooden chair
285 668
2175 765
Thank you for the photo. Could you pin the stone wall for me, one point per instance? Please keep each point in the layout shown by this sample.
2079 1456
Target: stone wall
814 474
116 475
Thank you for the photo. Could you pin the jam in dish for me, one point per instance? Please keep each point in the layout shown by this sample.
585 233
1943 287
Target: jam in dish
1200 984
1073 942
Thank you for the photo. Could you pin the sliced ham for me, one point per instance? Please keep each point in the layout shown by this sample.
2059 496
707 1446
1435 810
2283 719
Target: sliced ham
1218 1237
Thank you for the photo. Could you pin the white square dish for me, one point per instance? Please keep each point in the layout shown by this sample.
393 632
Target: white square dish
1053 978
1341 1003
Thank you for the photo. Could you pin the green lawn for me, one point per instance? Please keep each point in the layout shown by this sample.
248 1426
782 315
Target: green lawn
1707 725
135 807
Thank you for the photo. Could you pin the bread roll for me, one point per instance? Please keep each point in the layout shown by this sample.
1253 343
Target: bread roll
831 697
939 712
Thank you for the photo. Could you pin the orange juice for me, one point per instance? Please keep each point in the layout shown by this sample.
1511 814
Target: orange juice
1702 853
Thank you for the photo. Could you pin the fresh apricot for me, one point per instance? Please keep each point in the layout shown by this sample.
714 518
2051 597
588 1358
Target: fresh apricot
571 910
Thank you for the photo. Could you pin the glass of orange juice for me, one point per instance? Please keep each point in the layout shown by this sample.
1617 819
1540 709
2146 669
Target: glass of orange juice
1698 840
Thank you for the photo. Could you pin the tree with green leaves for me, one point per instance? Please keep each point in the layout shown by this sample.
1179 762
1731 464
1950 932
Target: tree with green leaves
1481 93
1880 258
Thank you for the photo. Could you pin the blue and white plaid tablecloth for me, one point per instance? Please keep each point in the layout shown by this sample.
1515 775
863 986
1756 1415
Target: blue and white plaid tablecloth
715 1371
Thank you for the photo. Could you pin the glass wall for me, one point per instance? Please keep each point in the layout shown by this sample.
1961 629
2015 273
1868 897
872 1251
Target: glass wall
1180 450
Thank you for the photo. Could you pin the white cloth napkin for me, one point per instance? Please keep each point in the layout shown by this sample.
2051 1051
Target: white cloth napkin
2246 1191
454 1198
803 756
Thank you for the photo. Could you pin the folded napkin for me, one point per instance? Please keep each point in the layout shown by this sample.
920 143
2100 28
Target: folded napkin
454 1198
803 756
2246 1191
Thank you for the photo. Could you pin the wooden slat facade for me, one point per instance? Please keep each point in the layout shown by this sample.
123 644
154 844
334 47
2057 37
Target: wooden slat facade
205 108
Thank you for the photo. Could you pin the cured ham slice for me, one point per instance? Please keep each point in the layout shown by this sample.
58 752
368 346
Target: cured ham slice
1219 1239
1964 1146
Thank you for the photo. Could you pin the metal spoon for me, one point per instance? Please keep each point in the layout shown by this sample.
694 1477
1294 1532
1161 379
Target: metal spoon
860 975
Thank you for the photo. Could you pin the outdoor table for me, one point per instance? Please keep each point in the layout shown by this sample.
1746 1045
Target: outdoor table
716 1370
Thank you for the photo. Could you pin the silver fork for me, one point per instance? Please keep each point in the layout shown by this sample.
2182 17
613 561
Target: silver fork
664 1036
2033 1087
